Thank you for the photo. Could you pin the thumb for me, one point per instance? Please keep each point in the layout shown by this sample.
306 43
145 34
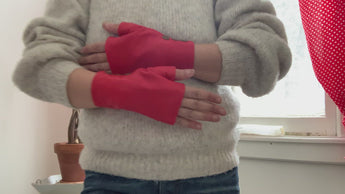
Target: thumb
183 74
122 28
171 73
111 27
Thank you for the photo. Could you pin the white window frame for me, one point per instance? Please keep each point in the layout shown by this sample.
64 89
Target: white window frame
297 148
328 126
305 126
309 139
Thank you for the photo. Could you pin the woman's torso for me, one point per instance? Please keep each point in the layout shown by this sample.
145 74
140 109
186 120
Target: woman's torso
123 131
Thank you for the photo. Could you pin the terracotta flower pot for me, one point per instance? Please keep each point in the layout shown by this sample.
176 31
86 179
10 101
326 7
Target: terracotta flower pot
68 156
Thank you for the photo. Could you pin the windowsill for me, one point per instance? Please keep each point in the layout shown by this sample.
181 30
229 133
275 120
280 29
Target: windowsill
295 139
327 150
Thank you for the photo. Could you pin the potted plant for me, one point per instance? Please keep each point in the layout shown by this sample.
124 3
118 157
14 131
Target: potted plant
68 153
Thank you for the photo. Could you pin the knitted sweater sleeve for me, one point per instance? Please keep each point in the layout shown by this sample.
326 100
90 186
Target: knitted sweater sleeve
51 50
253 45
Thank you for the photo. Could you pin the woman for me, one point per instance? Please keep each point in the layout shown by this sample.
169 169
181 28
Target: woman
144 132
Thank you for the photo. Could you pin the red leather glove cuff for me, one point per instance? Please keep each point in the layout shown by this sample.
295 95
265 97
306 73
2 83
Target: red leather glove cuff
146 91
141 47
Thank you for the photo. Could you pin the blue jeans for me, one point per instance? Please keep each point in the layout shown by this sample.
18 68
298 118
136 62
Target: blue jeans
224 183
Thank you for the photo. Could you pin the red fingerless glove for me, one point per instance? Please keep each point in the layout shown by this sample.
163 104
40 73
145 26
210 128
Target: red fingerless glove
141 47
151 92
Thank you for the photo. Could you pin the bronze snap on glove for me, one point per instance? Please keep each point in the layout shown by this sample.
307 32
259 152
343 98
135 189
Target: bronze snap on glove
151 92
141 47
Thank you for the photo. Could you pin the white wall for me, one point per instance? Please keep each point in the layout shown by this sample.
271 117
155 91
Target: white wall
28 127
279 177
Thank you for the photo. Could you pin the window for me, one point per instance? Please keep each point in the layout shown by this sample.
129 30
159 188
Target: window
298 102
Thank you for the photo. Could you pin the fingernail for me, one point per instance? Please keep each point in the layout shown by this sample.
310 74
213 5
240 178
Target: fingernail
198 126
223 111
107 25
190 72
219 99
216 118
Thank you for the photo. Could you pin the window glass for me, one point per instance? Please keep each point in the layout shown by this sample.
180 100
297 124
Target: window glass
299 94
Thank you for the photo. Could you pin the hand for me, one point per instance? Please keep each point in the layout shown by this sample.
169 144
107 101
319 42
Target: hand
136 47
154 93
199 105
94 57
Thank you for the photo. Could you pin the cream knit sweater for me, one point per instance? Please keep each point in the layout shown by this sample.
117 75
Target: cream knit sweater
255 56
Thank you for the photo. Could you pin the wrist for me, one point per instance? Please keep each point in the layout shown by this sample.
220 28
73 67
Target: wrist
79 88
207 62
180 54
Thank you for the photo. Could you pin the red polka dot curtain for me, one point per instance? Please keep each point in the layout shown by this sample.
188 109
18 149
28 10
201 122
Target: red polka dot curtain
324 26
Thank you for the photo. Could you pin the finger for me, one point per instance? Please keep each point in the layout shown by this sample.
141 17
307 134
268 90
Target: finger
93 59
182 74
171 73
203 106
168 72
200 94
188 123
111 27
98 67
197 115
126 28
93 48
